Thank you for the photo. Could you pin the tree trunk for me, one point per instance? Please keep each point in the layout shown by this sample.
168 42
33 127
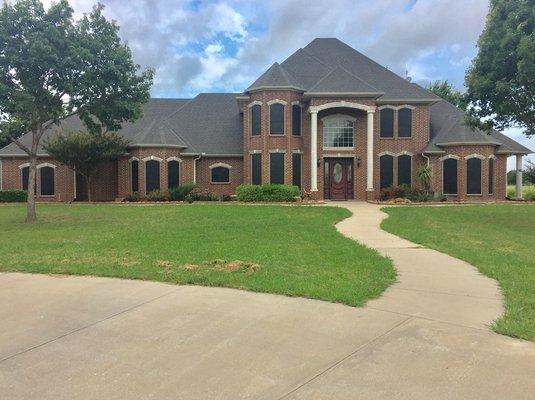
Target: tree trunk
88 188
31 215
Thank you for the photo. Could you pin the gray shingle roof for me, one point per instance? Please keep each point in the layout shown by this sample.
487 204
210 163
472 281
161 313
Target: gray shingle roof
339 80
276 77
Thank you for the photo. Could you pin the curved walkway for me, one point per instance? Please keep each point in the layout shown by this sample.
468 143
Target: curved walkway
427 337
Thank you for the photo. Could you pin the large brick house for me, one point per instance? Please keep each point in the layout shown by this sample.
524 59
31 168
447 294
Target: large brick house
328 119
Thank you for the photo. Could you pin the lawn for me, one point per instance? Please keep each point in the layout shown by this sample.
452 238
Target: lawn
497 239
290 250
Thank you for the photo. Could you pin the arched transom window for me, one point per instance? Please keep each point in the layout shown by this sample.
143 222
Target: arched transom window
338 131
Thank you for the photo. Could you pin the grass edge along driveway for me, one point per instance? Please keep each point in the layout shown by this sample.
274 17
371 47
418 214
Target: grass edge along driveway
288 250
498 239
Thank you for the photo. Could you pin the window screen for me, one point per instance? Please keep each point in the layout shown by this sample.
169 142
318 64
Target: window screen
47 181
173 174
296 120
276 168
220 175
405 122
256 117
473 176
386 170
276 119
152 176
404 170
449 176
256 169
387 122
134 175
296 169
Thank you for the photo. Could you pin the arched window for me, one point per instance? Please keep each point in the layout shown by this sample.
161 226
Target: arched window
296 120
276 119
256 168
24 177
296 169
173 173
47 181
256 117
387 123
449 176
491 175
276 168
152 175
337 131
404 169
220 173
134 175
386 170
473 176
405 122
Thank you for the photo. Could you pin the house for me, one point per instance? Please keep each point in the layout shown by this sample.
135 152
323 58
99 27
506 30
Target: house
328 119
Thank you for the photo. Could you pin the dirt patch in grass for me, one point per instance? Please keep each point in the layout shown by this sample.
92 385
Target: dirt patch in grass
218 265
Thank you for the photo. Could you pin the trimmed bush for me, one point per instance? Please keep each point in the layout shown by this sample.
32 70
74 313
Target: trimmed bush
179 193
267 193
158 195
405 192
13 196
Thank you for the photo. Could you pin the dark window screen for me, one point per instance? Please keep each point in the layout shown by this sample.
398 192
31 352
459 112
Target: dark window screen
276 168
220 175
491 175
449 176
256 116
296 120
25 176
256 169
173 174
404 122
473 176
296 169
134 175
387 122
47 181
386 170
276 119
404 170
152 175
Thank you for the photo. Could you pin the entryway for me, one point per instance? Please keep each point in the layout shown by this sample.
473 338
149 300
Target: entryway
338 178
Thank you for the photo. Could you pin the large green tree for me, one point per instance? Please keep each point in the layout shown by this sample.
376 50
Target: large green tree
448 92
501 79
53 66
85 152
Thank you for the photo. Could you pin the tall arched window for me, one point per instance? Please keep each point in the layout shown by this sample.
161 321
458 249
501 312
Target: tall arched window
24 177
276 119
173 173
473 176
338 131
404 122
404 169
152 175
296 120
386 170
134 175
449 176
47 181
491 175
386 125
256 117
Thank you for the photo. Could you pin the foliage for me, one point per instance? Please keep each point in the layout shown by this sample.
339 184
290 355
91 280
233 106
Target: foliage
13 196
157 243
425 176
511 177
85 152
158 195
179 193
497 239
405 192
528 174
501 79
447 91
53 66
267 193
133 197
204 196
528 192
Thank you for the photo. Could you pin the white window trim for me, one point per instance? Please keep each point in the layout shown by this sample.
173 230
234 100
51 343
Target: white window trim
255 152
24 165
254 103
475 156
386 153
492 156
283 103
133 159
276 101
223 165
405 153
297 103
397 108
39 167
43 165
449 156
277 151
345 104
481 158
174 159
442 159
152 158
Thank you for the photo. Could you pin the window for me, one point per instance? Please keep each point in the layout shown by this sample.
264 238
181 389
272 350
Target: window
276 119
404 170
337 132
152 175
296 169
47 181
134 175
220 174
256 169
386 170
387 123
276 168
256 118
473 176
449 176
405 123
173 173
296 120
491 175
24 177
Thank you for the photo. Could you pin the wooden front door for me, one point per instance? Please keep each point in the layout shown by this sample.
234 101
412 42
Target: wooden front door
338 178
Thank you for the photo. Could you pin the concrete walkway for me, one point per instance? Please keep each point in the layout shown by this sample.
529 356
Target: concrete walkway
426 338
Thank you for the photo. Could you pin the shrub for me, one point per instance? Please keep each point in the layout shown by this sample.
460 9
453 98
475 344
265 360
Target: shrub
158 195
190 198
179 193
267 193
132 197
405 192
13 196
425 177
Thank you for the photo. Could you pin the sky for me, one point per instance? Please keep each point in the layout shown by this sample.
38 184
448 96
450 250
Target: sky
224 45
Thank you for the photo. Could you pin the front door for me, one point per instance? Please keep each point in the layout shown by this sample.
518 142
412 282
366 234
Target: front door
338 178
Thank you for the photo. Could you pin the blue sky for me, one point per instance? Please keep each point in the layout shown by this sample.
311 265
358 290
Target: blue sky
224 45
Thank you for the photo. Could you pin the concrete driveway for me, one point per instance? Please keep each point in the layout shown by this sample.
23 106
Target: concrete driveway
97 338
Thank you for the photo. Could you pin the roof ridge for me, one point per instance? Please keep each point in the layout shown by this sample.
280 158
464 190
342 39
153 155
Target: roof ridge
180 108
177 135
355 76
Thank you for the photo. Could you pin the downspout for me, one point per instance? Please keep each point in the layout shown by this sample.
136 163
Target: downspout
427 158
195 168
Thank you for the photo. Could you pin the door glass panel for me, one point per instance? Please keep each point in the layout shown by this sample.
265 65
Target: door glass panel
349 173
337 173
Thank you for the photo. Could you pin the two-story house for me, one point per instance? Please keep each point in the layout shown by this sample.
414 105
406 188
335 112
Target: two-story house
328 119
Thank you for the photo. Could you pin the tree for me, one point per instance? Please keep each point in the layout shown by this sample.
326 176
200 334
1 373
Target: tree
85 152
501 79
446 91
52 66
529 173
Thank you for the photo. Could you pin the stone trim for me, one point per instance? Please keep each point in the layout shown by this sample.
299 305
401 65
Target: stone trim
255 152
277 101
24 165
474 156
43 165
254 103
450 156
220 164
397 108
174 159
277 151
386 153
150 158
346 104
339 116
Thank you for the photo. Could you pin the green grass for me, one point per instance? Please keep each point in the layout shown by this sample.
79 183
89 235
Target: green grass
528 192
497 239
299 251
